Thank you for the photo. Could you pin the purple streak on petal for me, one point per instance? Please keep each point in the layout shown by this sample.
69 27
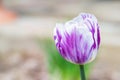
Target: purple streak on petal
83 16
58 36
67 47
63 51
84 58
74 43
55 37
78 60
70 39
93 32
86 46
59 45
78 50
86 51
98 36
64 48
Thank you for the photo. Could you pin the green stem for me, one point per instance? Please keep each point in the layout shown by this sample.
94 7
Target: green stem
82 72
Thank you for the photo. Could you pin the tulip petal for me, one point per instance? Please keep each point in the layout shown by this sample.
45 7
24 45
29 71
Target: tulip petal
78 40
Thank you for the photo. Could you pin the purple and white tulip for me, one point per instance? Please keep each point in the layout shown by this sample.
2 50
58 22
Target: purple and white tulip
78 40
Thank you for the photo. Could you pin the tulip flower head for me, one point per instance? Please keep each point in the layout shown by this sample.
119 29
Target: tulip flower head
78 40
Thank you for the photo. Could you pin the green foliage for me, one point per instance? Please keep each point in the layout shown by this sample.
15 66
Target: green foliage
67 70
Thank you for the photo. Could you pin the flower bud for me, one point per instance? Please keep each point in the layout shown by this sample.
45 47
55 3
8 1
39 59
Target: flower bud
78 40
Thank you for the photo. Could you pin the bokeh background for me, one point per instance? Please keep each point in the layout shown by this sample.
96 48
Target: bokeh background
27 50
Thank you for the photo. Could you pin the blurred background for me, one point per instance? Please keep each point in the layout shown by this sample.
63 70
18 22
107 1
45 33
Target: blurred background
27 50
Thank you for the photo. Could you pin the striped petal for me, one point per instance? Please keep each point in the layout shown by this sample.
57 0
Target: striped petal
78 40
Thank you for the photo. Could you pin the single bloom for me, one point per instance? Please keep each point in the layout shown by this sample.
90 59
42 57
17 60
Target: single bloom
78 40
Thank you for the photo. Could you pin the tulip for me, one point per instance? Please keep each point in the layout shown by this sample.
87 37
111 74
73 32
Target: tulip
78 40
